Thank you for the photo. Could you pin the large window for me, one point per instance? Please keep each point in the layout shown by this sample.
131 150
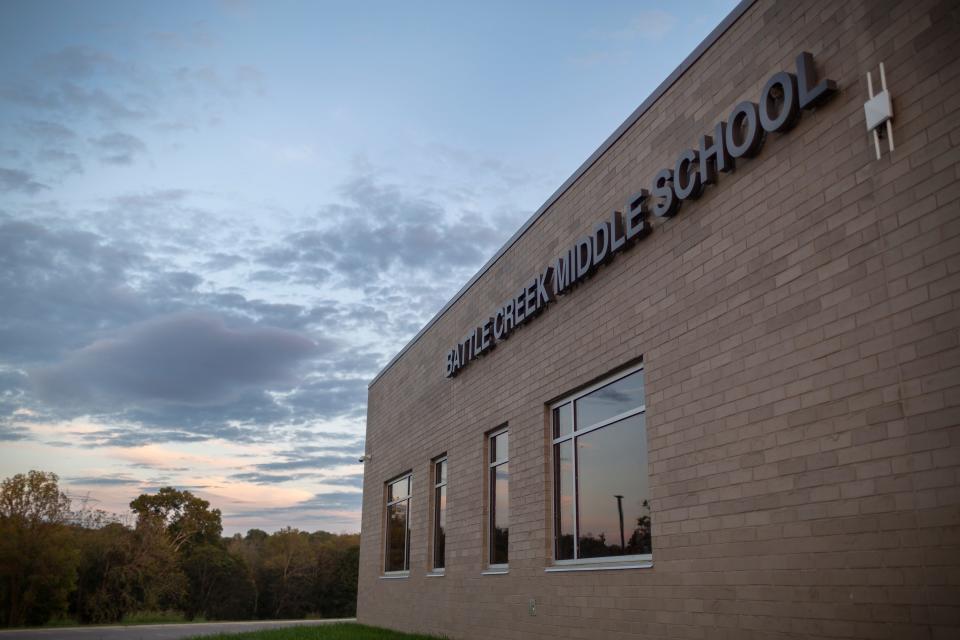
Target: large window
499 497
397 551
439 513
601 490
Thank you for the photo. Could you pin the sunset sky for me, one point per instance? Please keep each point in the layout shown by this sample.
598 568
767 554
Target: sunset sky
219 220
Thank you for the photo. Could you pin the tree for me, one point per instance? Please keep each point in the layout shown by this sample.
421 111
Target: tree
187 518
37 561
287 570
123 571
337 581
221 587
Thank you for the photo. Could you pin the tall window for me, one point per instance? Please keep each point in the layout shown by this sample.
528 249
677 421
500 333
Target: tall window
499 497
601 490
439 513
397 552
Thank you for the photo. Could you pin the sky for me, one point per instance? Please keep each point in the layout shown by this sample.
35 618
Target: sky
220 220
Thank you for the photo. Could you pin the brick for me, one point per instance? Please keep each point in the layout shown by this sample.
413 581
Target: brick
798 327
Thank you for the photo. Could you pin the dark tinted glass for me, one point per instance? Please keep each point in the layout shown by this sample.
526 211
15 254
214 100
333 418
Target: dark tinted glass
396 551
563 509
441 471
612 400
500 513
499 447
563 420
613 510
440 532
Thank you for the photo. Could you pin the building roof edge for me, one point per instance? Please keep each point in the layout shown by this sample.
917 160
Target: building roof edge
645 106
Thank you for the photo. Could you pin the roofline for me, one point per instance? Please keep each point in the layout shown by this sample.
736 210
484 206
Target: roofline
645 106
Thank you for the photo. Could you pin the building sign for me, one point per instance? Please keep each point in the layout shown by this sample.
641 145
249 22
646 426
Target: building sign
742 135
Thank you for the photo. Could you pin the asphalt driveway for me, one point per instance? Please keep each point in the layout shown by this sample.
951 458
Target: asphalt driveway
155 631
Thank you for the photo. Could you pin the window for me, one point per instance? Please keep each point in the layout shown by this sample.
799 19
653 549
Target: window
601 490
439 513
397 551
499 497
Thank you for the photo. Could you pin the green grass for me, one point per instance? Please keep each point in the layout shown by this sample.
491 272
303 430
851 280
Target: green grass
57 622
157 617
339 631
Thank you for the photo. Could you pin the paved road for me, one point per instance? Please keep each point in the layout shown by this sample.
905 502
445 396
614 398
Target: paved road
155 631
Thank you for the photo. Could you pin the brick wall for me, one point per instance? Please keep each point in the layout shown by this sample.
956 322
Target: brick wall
799 326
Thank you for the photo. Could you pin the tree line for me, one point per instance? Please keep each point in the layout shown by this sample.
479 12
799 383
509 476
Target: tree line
90 566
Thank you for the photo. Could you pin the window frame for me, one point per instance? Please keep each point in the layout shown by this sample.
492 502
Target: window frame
387 503
437 485
639 560
491 489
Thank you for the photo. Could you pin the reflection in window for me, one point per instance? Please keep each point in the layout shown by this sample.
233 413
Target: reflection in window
601 490
397 551
439 513
499 497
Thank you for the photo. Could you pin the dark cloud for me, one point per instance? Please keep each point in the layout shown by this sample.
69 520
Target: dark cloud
318 505
220 261
11 433
354 480
109 327
60 286
119 148
257 477
191 359
316 462
17 180
74 62
104 481
313 458
265 478
268 275
135 436
47 131
381 230
66 161
331 397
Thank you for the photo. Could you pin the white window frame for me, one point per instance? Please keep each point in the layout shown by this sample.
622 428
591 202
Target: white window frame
495 568
641 560
400 573
437 484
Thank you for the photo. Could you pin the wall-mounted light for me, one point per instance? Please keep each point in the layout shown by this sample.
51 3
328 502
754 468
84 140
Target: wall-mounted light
366 457
879 112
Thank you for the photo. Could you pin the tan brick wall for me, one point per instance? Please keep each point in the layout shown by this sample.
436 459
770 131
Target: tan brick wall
799 326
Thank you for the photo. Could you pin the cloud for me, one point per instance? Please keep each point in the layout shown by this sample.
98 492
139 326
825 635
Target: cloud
310 462
219 261
104 481
75 61
59 286
380 229
353 480
12 433
17 180
47 131
321 504
265 478
66 161
189 359
118 148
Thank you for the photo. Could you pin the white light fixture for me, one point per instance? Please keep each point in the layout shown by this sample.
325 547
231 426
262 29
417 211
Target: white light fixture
879 112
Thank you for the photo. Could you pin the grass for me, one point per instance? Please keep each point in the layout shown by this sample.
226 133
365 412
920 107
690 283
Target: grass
57 622
339 631
157 617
